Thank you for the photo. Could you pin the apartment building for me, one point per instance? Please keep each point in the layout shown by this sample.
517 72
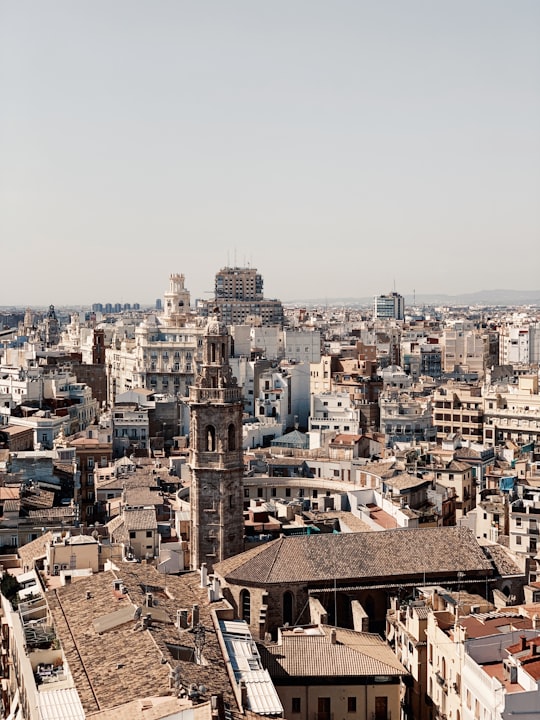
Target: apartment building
512 411
325 672
458 408
239 298
389 307
334 412
405 418
468 350
93 449
524 529
483 665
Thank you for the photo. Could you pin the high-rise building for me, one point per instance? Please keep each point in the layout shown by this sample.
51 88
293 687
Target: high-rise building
216 459
239 298
389 307
239 284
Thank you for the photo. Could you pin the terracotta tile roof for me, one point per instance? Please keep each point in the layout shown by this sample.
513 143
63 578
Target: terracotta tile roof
457 466
143 496
144 519
357 556
114 524
12 506
493 623
30 552
181 592
502 560
54 512
353 655
404 481
37 498
153 708
94 659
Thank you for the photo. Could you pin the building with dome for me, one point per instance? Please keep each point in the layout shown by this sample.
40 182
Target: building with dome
162 352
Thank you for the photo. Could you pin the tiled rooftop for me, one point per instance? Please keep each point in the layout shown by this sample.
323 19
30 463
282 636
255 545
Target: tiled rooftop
144 519
30 552
354 654
357 556
502 560
124 662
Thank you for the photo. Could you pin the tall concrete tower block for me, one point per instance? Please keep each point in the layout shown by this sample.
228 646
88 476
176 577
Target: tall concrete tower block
216 458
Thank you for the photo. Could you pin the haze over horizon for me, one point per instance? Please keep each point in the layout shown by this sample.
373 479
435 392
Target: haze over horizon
342 149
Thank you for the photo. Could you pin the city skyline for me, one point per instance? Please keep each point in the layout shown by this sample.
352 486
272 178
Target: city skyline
342 151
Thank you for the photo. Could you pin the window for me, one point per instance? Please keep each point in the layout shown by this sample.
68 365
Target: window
259 492
246 492
274 492
231 437
132 534
315 493
287 492
518 540
90 463
351 704
148 533
245 605
288 604
518 522
296 705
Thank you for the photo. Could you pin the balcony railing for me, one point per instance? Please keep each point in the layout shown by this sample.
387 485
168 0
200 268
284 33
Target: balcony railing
218 395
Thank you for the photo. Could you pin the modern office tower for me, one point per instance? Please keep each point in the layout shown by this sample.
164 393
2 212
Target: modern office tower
389 307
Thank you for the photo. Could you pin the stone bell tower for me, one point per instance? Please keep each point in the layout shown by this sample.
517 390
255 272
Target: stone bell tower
216 458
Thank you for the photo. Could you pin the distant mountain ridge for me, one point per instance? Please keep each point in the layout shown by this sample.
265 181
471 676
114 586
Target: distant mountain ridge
481 297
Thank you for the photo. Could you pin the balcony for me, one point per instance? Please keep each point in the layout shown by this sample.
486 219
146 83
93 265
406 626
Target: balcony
441 681
215 395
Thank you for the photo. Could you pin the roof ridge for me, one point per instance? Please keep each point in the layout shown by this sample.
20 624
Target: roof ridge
276 554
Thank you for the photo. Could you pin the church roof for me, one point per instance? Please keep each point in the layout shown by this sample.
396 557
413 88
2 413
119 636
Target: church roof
358 557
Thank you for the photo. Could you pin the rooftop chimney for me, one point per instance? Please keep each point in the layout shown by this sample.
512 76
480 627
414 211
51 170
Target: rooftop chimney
204 576
333 636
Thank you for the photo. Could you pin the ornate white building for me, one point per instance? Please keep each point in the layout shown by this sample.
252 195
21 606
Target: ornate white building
163 354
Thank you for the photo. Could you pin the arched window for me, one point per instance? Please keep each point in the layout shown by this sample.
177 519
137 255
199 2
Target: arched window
231 439
210 438
213 352
261 410
245 606
288 599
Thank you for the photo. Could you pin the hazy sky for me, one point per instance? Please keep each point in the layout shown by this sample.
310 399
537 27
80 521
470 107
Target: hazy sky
339 147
